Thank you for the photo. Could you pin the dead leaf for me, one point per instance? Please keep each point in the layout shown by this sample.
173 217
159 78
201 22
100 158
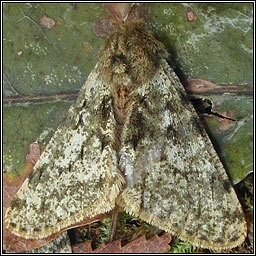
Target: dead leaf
118 10
118 13
106 25
156 244
139 11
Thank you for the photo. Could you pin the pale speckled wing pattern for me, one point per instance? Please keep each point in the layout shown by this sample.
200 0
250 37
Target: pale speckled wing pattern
175 178
138 123
77 174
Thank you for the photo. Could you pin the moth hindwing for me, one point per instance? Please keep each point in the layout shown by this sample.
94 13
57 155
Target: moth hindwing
131 140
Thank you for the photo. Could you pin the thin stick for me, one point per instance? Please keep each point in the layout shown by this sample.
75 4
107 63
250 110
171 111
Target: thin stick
113 226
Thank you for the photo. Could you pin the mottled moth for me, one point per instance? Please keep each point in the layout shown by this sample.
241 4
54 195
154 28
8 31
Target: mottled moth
131 140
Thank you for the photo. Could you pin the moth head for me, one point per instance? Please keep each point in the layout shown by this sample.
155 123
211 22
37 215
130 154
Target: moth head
130 56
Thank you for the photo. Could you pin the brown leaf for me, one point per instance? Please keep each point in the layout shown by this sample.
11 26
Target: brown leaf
118 13
139 11
106 25
155 244
118 10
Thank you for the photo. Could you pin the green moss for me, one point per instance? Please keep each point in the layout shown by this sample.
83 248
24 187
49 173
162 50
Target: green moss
178 246
105 229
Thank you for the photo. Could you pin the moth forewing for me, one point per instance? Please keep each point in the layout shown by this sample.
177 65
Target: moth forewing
77 175
178 182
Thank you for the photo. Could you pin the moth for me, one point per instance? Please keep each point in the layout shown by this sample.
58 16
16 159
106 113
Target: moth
131 140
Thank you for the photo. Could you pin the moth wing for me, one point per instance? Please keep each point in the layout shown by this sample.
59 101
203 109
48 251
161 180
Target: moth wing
77 175
175 178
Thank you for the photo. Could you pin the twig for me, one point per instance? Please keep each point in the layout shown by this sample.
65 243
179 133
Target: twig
113 226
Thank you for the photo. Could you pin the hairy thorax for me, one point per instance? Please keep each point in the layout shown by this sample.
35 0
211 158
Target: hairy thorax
128 60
